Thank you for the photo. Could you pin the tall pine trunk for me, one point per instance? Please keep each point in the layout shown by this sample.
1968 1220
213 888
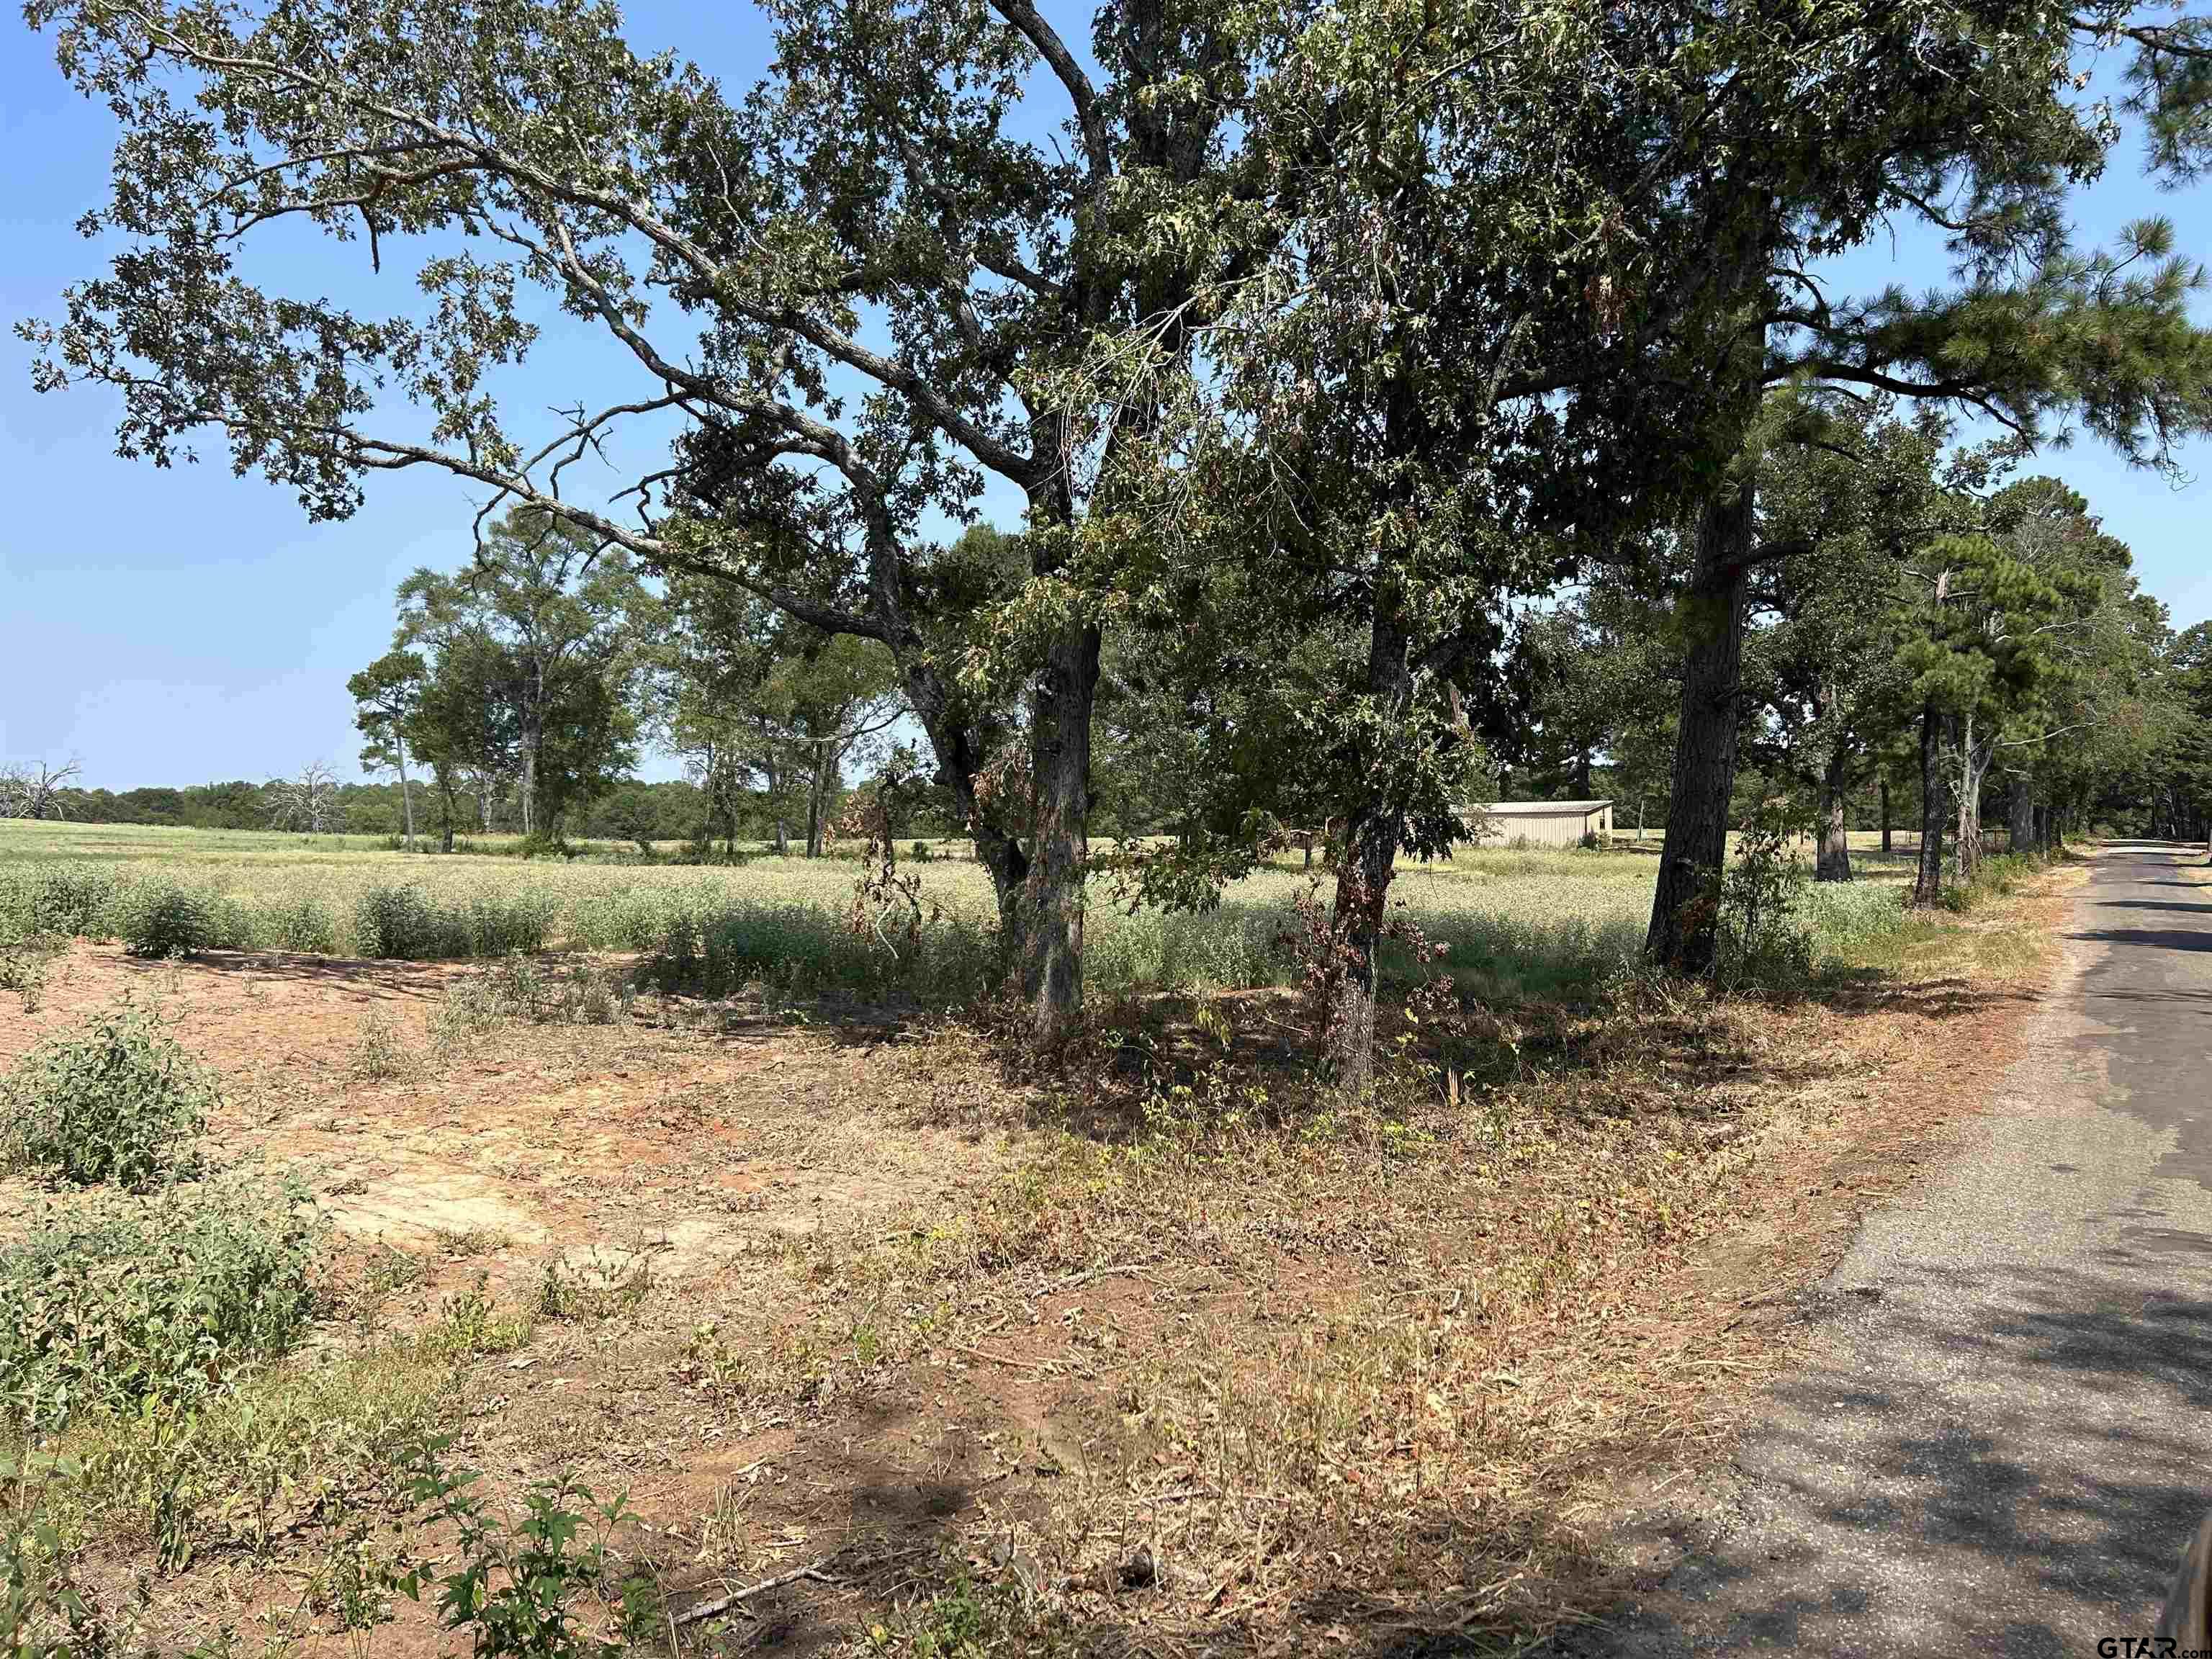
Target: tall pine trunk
528 788
1685 912
445 808
1884 815
1963 849
1053 899
406 795
1935 789
773 774
2020 817
1974 757
817 789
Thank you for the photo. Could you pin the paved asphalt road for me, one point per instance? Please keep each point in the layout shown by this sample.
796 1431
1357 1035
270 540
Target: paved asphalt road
2004 1440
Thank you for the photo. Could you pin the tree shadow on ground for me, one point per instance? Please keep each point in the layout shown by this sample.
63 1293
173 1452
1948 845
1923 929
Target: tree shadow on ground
2161 939
361 979
1873 990
2108 1388
1131 1050
875 1525
2148 996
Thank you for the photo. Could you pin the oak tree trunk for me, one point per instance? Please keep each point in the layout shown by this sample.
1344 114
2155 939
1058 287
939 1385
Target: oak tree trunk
1372 829
1363 877
1684 910
1834 861
960 750
1363 886
1060 782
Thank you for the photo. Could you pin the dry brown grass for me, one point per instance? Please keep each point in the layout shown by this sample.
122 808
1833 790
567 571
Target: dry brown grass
1323 1376
1167 1350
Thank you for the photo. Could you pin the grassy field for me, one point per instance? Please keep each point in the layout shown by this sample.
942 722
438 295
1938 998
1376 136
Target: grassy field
1515 923
914 1346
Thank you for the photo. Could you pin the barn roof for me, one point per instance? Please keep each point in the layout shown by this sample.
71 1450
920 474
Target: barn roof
1539 808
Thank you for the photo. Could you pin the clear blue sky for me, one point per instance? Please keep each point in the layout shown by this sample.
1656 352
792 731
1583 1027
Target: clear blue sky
185 626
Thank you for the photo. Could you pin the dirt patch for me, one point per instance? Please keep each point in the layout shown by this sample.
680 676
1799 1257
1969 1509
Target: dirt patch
691 1132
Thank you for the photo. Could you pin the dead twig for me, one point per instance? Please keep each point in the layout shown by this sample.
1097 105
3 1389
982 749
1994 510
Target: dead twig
724 1603
996 1358
1133 1269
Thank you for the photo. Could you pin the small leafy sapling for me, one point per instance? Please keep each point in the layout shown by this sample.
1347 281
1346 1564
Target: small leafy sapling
518 1589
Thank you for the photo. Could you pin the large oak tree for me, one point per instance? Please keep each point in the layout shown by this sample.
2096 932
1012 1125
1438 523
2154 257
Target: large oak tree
844 287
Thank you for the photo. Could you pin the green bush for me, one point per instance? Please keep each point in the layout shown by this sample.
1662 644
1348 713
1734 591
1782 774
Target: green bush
2001 872
324 1433
399 923
808 948
24 956
72 900
406 924
1850 920
161 918
117 1099
500 927
1764 940
43 1615
126 1300
520 989
303 924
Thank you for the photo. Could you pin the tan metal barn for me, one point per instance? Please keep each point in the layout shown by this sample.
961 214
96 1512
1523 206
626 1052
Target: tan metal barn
1541 823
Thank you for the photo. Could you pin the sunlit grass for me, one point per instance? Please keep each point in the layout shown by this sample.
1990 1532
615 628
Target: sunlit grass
1544 923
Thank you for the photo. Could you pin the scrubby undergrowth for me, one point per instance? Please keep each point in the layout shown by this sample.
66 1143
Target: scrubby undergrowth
1517 923
117 1099
114 1301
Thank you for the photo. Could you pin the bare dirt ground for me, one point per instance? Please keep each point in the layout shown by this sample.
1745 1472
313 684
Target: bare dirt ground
690 1142
1287 1386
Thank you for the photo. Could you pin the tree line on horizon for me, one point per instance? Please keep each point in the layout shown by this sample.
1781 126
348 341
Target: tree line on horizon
2089 707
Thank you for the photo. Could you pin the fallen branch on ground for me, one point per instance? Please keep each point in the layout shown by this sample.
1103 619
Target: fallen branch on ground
724 1603
1133 1269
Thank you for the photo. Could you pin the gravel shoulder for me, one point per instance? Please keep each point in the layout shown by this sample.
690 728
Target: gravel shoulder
1997 1440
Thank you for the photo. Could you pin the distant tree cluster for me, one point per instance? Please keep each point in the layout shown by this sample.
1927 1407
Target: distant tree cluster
665 812
1943 641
